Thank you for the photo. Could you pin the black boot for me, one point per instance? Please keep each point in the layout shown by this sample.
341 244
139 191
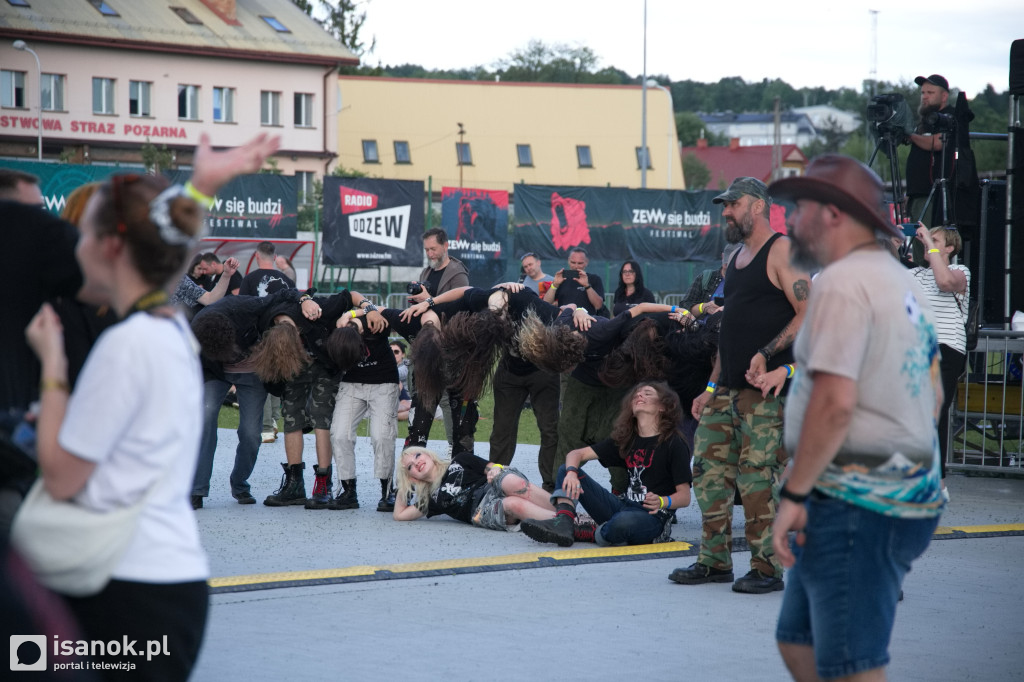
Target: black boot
321 496
292 490
559 530
387 496
346 499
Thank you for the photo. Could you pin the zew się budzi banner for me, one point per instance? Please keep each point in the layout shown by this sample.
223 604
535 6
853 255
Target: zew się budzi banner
260 206
476 221
371 222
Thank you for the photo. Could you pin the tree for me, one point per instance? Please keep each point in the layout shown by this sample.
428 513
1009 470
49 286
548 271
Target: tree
343 19
696 172
689 128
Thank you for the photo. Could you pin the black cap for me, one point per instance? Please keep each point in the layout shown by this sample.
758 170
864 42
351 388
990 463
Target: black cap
934 79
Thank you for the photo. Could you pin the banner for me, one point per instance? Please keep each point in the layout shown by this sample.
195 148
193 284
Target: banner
372 222
476 221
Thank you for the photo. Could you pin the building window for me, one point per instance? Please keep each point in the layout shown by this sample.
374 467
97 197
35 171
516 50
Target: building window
275 24
463 154
303 110
304 181
103 8
224 105
139 98
524 154
103 95
370 154
52 91
187 16
13 84
402 154
640 155
188 102
270 108
583 157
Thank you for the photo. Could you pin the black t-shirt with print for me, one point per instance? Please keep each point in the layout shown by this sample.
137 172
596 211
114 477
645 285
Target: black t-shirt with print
461 488
434 281
652 467
379 366
265 281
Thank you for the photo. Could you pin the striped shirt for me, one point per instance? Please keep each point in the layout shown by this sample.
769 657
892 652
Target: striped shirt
950 309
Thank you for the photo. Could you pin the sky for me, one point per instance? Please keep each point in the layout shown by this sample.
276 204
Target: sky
805 43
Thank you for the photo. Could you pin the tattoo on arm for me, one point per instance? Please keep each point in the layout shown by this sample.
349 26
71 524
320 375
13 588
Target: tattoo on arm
783 340
801 289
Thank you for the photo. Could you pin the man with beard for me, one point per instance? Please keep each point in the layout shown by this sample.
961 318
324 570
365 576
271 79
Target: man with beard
575 285
925 161
863 494
738 443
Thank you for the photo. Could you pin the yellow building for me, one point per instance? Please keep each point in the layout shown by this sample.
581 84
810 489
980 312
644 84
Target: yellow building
506 133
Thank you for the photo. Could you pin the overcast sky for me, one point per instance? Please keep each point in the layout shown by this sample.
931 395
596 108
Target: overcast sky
805 43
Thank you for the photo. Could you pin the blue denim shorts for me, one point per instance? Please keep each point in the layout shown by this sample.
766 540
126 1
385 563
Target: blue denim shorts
841 594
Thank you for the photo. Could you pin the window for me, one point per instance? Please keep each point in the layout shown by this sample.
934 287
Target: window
639 156
524 155
402 154
13 85
583 157
52 91
303 110
103 8
139 97
275 24
187 16
370 154
270 108
463 154
224 105
304 182
188 102
103 95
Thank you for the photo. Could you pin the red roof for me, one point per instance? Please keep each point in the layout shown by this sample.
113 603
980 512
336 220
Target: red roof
729 163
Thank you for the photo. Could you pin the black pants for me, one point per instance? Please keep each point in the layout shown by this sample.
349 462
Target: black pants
951 366
146 613
510 392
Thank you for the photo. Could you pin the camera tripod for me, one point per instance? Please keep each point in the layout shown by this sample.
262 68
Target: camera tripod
941 184
888 143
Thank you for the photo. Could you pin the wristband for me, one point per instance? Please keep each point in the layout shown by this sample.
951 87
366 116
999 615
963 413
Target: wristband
673 309
370 308
933 250
766 353
59 384
197 196
669 505
790 370
700 308
304 298
587 287
711 387
787 494
352 313
661 502
430 302
575 470
496 466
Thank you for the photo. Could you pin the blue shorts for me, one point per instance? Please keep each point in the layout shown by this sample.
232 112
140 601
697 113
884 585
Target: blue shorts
841 594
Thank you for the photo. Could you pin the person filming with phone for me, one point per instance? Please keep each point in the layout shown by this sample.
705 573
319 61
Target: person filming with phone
576 285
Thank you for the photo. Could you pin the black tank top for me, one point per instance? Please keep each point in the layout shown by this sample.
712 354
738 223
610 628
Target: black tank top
755 312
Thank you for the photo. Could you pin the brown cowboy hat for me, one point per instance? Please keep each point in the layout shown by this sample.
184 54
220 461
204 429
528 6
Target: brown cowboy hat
846 183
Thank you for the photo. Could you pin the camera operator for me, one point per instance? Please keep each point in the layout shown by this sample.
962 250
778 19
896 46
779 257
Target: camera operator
576 285
925 163
442 273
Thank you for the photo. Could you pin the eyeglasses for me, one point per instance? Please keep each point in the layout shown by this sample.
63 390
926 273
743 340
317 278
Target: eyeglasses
628 272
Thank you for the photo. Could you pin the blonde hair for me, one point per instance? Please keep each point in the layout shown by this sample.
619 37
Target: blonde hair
423 490
951 236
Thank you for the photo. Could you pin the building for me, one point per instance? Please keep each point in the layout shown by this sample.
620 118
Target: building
118 76
824 116
492 135
759 129
728 163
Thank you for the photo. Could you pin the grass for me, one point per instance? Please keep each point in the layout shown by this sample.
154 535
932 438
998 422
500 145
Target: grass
528 432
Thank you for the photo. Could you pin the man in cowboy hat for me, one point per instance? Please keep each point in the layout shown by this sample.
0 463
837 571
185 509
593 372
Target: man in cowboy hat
863 494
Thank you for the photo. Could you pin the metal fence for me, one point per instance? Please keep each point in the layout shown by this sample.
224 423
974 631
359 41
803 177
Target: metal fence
986 417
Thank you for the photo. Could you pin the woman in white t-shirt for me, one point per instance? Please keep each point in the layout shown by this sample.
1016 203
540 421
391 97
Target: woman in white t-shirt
948 288
130 430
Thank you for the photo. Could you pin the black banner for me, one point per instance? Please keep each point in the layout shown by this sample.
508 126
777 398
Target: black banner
476 221
372 222
260 206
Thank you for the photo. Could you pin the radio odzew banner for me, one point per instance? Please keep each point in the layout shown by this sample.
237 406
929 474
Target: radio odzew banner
372 222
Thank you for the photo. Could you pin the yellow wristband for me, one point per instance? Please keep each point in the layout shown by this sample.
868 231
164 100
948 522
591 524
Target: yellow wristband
352 313
497 466
200 198
59 384
933 250
700 309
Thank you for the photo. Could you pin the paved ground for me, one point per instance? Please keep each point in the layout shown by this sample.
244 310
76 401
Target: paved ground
440 600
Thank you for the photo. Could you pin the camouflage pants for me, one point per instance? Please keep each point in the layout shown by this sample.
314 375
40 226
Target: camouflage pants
738 445
308 400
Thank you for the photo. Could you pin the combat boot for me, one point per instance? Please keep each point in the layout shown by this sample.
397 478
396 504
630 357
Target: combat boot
346 499
559 530
387 496
321 497
292 490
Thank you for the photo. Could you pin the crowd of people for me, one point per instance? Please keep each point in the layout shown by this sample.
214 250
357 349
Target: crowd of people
818 408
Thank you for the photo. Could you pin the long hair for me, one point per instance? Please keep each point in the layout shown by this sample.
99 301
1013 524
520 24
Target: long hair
345 347
126 204
74 207
428 364
471 343
620 291
625 430
555 349
216 336
691 357
641 357
279 355
423 490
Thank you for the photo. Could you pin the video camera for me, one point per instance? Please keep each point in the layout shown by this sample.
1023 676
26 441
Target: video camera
891 117
940 123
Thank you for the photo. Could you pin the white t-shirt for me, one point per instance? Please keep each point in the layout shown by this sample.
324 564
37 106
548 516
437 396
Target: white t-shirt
950 309
868 320
137 412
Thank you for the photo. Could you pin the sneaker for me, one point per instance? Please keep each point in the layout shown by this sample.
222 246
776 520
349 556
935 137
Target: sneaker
698 574
559 530
197 501
244 498
756 582
270 436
